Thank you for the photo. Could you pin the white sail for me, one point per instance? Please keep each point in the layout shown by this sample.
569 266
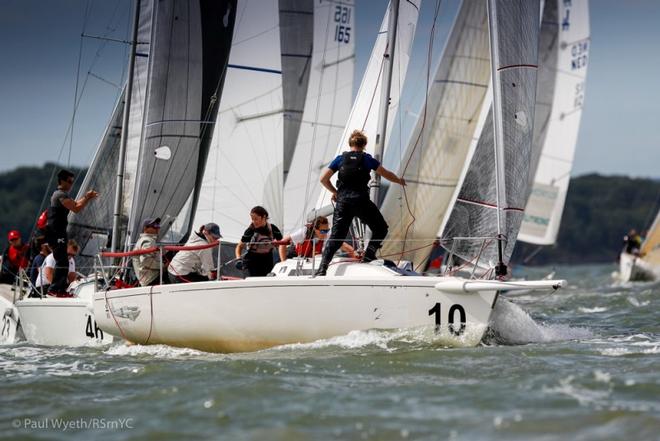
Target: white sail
438 147
650 250
327 105
365 112
244 166
493 191
567 65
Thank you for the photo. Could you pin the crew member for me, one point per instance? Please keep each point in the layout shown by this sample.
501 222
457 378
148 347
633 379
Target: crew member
195 265
14 258
147 266
309 240
352 198
259 238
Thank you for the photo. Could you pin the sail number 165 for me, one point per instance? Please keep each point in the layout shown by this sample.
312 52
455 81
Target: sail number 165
342 26
436 311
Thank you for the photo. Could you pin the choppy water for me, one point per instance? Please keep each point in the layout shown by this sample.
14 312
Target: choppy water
583 363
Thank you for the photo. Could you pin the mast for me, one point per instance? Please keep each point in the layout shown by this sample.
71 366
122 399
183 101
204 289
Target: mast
498 138
388 66
124 132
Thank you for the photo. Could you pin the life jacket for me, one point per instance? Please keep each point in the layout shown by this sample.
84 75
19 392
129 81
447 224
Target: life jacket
261 243
17 258
42 222
304 248
353 175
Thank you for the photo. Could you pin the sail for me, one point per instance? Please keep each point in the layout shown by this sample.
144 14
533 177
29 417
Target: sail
327 105
436 152
92 227
566 27
365 113
188 58
493 193
244 165
296 45
650 250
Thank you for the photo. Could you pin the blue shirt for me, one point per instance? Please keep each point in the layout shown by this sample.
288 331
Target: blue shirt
369 162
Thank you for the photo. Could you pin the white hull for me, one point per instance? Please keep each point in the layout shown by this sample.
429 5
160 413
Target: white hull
257 313
635 269
61 321
9 320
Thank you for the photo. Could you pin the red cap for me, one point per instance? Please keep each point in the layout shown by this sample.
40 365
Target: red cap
14 234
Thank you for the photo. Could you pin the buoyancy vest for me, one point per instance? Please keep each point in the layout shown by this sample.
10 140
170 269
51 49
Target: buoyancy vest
16 257
305 248
353 175
261 243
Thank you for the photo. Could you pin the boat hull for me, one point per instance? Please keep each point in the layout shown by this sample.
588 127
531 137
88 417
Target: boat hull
258 313
635 269
62 321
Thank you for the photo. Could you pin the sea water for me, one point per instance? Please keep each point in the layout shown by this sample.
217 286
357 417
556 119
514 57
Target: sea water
582 363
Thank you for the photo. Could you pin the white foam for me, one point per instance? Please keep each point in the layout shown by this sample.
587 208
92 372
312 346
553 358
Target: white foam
157 351
513 325
593 310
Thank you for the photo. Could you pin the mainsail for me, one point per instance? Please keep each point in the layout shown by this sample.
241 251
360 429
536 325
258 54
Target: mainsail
365 113
91 228
493 191
296 45
437 150
244 165
188 58
566 43
327 104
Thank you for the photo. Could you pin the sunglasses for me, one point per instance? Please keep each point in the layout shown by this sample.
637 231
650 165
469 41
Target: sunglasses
324 231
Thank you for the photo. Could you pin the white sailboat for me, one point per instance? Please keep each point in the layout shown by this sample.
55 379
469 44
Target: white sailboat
185 64
646 265
256 313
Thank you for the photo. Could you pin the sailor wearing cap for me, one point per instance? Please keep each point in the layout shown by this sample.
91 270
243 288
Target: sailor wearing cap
195 265
147 266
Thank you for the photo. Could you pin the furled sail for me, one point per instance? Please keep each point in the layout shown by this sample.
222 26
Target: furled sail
244 166
493 192
296 45
188 59
564 50
91 228
327 105
365 113
436 153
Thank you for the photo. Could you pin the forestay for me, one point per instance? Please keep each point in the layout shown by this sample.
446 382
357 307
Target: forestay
365 113
327 105
437 149
188 59
514 27
244 165
566 29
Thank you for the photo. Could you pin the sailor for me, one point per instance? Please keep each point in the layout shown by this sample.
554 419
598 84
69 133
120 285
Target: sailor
147 266
195 265
44 251
56 236
632 242
352 198
49 269
309 240
14 258
258 238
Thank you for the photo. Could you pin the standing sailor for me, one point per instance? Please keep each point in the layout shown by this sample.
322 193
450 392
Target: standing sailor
56 236
352 198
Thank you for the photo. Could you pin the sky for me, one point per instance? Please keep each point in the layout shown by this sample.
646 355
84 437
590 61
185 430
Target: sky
41 44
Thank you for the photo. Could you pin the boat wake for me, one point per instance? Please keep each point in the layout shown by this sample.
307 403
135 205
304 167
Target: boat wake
512 325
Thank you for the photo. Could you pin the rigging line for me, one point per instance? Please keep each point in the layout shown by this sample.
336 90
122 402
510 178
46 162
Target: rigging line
92 74
75 93
424 115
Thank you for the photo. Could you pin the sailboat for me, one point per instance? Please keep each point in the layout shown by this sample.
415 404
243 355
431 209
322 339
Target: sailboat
646 265
257 313
158 134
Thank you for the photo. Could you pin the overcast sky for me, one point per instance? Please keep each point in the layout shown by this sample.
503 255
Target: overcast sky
40 41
